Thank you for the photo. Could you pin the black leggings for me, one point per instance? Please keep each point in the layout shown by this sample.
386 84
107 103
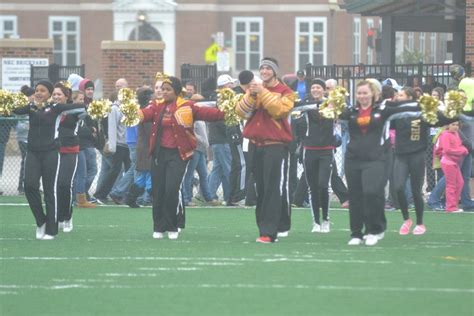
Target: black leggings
42 165
67 170
366 183
410 165
317 165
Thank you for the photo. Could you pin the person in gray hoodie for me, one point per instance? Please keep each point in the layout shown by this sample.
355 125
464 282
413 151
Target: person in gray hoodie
116 147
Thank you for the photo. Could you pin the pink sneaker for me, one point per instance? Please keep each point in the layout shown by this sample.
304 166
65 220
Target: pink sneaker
405 229
419 230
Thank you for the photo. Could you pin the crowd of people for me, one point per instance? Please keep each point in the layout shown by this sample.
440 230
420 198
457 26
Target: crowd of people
385 142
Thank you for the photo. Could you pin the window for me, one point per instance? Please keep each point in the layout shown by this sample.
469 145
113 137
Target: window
356 41
370 50
433 48
8 26
422 43
399 45
247 39
64 30
410 41
310 41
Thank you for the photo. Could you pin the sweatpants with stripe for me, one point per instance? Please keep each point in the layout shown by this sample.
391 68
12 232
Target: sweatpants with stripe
410 165
366 184
237 174
270 168
167 175
317 166
67 170
42 165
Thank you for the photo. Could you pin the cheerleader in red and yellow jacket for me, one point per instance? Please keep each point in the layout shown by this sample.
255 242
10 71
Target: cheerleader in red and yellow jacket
266 106
172 143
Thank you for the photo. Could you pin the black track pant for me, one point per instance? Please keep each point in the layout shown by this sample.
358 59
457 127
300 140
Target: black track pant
337 185
270 168
67 170
250 194
412 165
317 166
366 183
167 173
237 174
42 165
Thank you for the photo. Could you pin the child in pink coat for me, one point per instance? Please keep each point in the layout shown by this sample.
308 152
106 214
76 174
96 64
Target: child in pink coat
452 153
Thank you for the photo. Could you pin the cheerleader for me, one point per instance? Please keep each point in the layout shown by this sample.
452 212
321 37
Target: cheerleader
68 155
42 158
365 164
172 143
318 143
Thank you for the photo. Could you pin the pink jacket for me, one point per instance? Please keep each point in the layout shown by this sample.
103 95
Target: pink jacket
450 148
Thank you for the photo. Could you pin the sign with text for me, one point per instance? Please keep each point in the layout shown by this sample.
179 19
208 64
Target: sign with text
16 71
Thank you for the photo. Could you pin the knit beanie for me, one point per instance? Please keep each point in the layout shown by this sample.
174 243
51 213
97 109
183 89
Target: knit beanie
320 82
85 83
270 62
47 84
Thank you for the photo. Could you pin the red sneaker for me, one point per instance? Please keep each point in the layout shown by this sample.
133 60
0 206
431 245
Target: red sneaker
264 240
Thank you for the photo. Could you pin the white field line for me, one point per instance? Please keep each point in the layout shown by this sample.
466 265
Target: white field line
9 287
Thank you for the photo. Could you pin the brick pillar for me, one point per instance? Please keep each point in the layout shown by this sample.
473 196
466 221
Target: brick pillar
26 48
470 31
136 61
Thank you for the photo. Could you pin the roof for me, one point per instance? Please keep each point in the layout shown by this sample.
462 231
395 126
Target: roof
406 7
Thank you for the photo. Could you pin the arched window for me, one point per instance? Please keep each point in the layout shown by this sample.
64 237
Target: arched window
146 32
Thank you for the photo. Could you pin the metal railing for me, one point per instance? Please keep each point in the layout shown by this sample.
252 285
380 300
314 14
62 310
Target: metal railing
54 72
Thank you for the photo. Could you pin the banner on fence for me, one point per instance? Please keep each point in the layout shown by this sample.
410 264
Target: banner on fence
16 72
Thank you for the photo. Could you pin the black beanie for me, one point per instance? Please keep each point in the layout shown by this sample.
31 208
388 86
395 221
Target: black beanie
47 84
175 84
320 82
245 77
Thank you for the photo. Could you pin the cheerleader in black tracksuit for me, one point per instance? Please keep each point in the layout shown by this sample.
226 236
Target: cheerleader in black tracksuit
365 162
411 141
42 158
68 153
318 143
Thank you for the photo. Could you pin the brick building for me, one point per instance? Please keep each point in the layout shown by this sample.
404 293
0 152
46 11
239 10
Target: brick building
293 31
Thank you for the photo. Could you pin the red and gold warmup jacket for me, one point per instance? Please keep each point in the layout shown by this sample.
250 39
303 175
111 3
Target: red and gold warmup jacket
267 115
182 122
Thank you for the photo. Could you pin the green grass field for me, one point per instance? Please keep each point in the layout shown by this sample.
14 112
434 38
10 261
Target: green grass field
110 265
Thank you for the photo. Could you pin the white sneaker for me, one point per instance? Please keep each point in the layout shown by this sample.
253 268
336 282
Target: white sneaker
60 225
173 235
380 236
371 240
325 227
316 228
47 237
68 226
355 242
283 234
40 231
157 235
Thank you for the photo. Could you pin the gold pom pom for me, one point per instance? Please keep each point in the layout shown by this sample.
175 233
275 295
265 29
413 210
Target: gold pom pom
99 109
66 83
429 108
10 101
6 102
226 101
454 102
335 103
129 107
